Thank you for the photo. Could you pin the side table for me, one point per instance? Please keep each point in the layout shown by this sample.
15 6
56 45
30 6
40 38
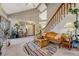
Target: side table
67 44
42 42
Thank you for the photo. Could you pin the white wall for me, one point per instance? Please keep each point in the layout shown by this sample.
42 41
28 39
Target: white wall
59 28
51 9
2 13
25 16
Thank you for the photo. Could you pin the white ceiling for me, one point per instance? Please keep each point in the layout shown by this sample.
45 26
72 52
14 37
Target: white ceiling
43 15
10 8
42 7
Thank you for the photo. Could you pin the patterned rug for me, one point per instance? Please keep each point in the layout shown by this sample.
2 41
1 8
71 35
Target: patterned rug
32 49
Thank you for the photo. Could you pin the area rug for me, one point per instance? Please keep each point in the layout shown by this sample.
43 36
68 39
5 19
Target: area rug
32 49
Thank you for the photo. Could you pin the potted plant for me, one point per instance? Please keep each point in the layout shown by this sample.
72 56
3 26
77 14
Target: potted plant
7 33
1 45
75 12
17 26
13 34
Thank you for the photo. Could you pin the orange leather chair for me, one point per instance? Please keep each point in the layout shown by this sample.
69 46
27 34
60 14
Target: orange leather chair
54 37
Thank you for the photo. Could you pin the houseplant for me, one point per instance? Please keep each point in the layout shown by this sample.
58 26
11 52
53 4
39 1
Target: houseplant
7 33
1 45
17 26
13 34
76 23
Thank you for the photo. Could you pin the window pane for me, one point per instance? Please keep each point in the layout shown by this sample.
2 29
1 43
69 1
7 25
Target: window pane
43 15
42 7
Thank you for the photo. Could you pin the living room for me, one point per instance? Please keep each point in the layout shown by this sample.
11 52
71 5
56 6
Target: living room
39 29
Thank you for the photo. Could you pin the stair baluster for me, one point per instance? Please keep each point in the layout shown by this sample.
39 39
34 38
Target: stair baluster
61 12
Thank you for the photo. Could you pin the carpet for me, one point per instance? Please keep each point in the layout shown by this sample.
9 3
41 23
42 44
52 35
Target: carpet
32 49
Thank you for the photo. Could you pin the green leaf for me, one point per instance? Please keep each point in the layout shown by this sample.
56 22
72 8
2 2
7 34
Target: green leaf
1 46
70 9
74 11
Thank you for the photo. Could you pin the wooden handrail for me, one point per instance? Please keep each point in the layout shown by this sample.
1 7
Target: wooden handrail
53 15
62 10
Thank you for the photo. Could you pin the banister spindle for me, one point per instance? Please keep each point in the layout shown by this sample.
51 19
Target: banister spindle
67 8
70 5
74 5
58 16
64 10
53 21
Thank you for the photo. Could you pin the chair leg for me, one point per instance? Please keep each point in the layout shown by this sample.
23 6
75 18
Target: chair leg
69 47
60 45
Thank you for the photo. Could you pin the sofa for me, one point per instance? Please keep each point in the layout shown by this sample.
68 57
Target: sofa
60 39
55 37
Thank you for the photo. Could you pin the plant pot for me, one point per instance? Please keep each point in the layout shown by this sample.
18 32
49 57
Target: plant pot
75 44
0 51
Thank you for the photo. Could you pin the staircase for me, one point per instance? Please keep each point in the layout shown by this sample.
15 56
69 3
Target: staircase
60 16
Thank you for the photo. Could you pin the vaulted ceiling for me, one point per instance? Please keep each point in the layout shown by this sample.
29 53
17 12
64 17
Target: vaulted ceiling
11 8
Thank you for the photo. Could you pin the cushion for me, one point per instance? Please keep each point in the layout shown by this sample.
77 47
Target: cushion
57 37
66 39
